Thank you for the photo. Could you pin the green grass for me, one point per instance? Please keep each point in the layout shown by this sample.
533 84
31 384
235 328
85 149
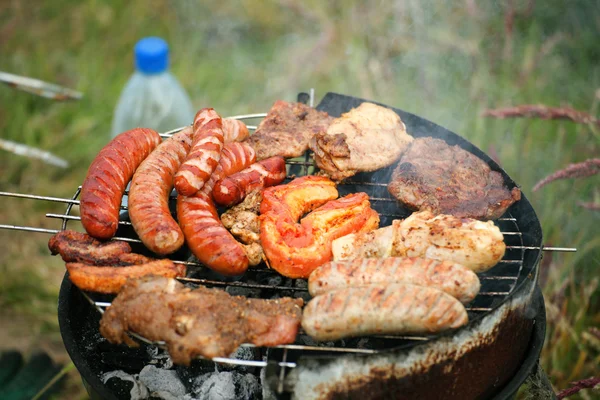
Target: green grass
442 60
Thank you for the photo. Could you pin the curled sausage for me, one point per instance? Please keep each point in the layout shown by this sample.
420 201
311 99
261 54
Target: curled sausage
204 155
149 195
206 236
234 158
397 308
107 179
234 130
265 173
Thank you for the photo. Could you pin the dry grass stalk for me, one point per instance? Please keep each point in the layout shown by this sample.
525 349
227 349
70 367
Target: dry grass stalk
580 170
543 112
591 206
589 383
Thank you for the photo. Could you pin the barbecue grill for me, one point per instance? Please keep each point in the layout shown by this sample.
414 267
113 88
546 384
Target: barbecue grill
476 361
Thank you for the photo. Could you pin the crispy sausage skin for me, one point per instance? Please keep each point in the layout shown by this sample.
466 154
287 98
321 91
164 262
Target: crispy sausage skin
233 189
397 308
109 279
107 179
234 130
204 232
456 280
149 195
206 236
204 155
235 157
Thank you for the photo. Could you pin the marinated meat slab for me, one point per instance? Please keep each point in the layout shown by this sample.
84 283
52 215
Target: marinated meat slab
200 322
77 247
287 129
366 138
432 175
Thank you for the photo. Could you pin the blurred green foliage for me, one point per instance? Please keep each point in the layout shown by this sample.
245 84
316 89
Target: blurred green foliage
444 60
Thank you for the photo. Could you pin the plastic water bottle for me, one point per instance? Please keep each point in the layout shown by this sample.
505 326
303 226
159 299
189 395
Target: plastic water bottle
153 97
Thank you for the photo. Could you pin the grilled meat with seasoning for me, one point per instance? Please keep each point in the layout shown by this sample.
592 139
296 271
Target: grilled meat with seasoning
452 278
366 138
200 322
397 308
475 244
243 223
287 129
432 175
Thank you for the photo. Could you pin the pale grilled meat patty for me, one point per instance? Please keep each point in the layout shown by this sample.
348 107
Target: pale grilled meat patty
432 175
287 130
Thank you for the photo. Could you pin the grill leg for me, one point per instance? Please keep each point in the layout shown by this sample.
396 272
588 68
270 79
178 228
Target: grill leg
537 386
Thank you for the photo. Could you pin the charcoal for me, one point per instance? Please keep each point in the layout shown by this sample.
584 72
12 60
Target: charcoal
243 291
304 296
228 385
308 341
120 383
163 382
301 283
272 279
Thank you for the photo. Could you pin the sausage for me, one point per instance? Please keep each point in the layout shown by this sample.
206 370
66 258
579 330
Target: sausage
110 279
107 179
396 308
234 130
456 280
149 195
234 158
204 155
206 236
233 189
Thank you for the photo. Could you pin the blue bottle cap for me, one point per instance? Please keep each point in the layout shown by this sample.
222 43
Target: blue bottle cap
151 55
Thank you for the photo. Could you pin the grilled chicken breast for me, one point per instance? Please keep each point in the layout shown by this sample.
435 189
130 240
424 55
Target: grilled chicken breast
366 138
452 278
397 308
475 244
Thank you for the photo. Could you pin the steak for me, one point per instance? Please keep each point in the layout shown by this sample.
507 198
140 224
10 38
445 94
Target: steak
201 322
287 130
432 175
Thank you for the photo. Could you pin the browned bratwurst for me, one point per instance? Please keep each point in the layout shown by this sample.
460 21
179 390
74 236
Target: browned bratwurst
397 308
233 189
149 195
204 155
107 179
456 280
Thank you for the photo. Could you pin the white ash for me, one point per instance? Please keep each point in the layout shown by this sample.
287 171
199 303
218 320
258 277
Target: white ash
138 390
301 283
226 386
163 382
267 393
242 353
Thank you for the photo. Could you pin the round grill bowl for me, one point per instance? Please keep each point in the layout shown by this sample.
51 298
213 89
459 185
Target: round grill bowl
476 361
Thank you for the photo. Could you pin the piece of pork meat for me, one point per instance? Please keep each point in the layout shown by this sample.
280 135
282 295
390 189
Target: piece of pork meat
366 138
200 322
432 175
287 129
